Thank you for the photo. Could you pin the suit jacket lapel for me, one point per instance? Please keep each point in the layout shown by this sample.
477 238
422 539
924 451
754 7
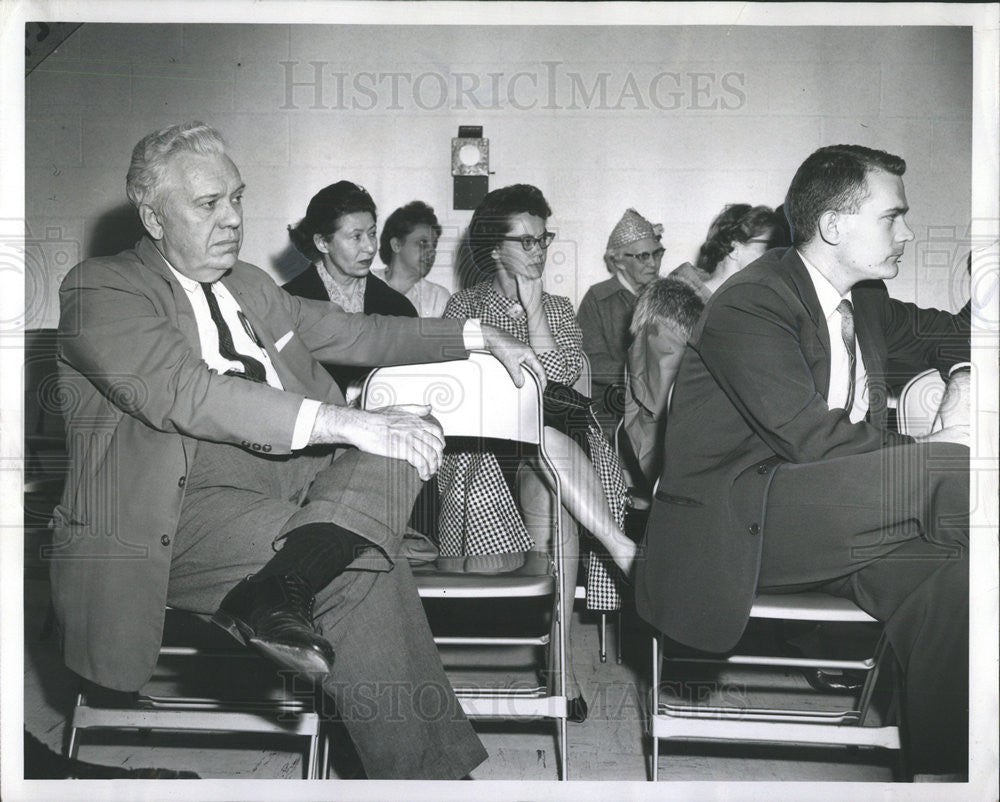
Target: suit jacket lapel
803 287
871 342
183 311
289 380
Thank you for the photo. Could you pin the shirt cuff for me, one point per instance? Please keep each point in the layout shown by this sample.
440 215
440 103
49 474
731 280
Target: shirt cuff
304 423
472 335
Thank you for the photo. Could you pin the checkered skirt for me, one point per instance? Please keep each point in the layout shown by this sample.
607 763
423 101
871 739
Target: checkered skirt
478 512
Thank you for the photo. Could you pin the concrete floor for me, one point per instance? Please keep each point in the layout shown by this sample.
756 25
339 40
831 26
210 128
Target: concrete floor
610 745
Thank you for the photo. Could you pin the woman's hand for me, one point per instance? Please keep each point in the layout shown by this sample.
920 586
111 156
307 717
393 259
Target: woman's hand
529 293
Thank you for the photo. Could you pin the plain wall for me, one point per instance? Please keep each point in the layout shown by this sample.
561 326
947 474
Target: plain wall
674 121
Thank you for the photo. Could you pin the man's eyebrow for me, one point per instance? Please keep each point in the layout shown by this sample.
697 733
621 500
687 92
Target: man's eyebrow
898 210
211 195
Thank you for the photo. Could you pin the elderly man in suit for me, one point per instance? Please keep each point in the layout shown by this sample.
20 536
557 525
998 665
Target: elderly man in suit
201 433
779 470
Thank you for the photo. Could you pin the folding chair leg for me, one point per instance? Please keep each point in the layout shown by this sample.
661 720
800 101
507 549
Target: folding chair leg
618 643
654 774
563 751
603 633
325 753
73 745
654 696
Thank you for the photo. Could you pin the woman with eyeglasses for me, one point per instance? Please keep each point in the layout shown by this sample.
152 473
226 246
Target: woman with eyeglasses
508 240
737 237
632 256
338 236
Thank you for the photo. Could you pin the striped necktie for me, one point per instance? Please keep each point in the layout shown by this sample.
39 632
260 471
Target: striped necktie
252 368
847 332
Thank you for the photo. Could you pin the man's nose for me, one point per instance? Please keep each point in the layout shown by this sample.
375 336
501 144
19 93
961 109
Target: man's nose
906 234
231 217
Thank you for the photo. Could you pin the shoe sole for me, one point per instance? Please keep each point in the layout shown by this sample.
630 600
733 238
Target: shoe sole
303 661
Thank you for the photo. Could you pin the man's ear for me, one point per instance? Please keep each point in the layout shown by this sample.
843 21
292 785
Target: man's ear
151 221
829 227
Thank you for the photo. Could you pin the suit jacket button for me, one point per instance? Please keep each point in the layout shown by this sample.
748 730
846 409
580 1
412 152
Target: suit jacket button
165 540
754 529
762 469
182 481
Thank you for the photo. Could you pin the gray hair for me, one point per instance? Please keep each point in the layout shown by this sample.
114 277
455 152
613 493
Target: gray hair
151 156
667 300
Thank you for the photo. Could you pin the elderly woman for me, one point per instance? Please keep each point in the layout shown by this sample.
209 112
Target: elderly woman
338 236
508 240
408 247
738 236
633 257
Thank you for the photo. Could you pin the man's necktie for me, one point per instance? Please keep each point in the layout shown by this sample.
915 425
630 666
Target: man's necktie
847 332
252 369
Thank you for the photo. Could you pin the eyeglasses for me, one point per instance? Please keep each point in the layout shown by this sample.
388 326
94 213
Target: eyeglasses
527 242
763 240
646 256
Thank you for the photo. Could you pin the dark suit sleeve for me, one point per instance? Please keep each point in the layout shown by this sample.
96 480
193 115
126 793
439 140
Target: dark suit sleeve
918 338
752 345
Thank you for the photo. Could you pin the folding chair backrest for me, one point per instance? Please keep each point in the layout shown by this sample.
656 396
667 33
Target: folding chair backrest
472 397
918 403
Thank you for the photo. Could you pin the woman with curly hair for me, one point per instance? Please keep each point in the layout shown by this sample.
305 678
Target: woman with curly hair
738 236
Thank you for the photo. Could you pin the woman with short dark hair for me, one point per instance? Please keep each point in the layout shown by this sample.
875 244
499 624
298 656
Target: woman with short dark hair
408 247
338 236
508 240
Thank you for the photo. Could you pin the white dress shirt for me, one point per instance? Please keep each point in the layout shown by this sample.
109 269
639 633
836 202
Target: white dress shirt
829 300
247 343
428 298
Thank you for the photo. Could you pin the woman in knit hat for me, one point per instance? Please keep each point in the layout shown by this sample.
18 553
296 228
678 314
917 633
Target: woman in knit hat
633 257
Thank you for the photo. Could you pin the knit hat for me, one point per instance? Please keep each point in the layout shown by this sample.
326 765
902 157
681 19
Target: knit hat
632 228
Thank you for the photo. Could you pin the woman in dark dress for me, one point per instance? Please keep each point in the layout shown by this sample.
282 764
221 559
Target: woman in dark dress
338 236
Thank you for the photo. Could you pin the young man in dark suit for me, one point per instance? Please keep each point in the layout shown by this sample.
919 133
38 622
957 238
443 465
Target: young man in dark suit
779 470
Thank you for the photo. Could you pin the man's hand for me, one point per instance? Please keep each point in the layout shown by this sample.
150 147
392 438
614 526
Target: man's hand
512 353
956 404
400 432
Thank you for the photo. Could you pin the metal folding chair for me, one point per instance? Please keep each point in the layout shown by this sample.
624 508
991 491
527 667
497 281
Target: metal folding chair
583 386
267 708
850 726
475 398
44 474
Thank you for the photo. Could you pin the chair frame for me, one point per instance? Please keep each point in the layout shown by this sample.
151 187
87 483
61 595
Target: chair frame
501 411
288 716
845 727
802 727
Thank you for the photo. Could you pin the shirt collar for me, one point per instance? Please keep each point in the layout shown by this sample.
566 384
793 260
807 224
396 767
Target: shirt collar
829 298
189 284
625 284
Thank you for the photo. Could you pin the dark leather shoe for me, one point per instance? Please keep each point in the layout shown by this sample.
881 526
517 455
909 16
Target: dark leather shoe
275 616
576 710
837 683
